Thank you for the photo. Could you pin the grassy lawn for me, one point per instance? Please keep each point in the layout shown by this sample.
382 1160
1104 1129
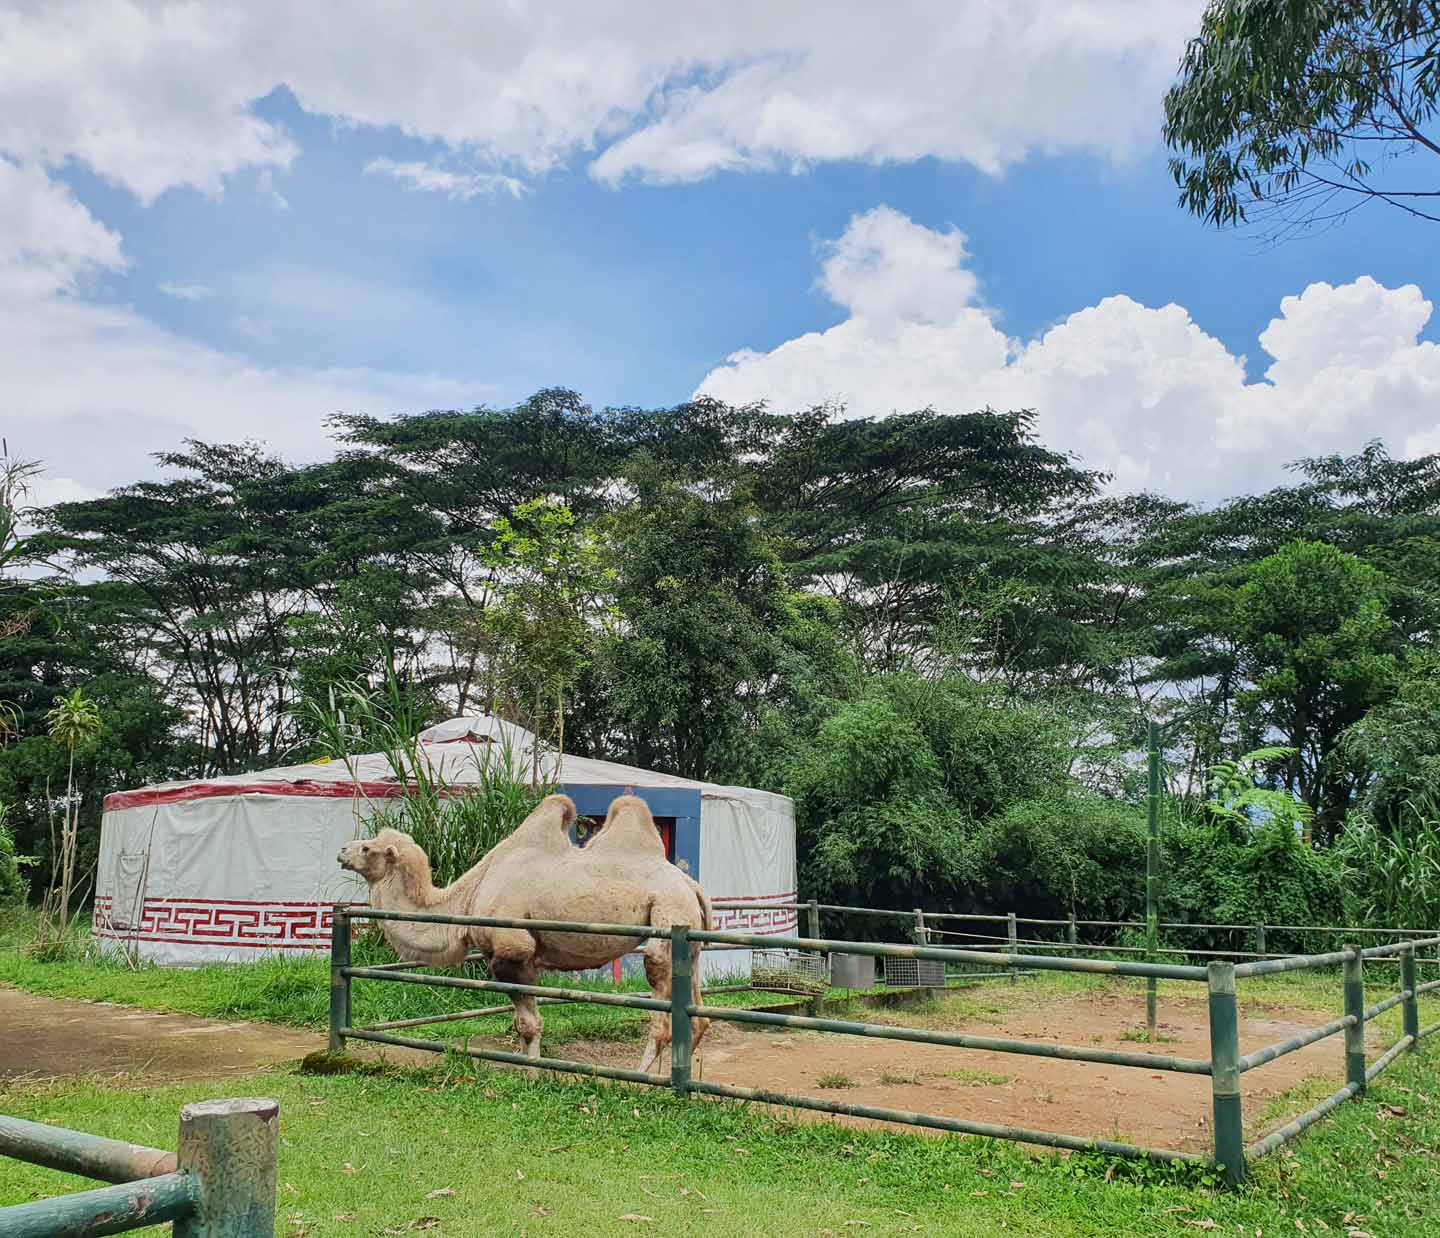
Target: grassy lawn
381 1154
297 992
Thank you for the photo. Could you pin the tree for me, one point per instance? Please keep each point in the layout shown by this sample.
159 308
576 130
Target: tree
74 721
1304 109
1317 650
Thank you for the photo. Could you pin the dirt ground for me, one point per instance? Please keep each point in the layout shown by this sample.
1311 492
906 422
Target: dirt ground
1159 1109
47 1038
43 1038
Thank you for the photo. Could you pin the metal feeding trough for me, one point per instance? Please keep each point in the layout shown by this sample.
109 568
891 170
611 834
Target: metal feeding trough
914 973
852 971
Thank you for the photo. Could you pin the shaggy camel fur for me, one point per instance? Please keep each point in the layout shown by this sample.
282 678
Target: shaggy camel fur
620 877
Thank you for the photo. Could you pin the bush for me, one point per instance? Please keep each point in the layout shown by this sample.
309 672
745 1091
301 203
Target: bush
13 886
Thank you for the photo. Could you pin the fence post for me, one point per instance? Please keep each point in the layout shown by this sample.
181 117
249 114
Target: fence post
812 918
1410 1007
1013 936
681 995
1260 939
339 983
1225 1073
1070 934
1152 869
228 1147
1355 1033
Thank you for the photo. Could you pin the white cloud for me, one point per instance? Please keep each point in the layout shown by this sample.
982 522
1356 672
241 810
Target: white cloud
156 95
48 241
1143 392
458 186
90 389
185 292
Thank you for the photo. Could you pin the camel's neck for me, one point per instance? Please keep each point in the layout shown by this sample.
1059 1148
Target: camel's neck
410 889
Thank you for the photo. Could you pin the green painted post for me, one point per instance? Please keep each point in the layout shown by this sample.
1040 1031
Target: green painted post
1260 939
228 1147
1355 1033
1225 1073
681 995
1070 934
1013 934
812 919
1410 1007
1152 870
339 983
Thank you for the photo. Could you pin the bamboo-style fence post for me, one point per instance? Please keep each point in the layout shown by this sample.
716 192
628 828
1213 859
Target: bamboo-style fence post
681 995
1152 867
229 1148
1355 1033
339 981
1225 1073
1410 1007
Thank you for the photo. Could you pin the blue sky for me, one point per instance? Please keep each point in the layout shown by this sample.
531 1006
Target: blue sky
226 258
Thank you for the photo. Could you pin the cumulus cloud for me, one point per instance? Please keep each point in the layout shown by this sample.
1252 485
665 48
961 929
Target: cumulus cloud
48 241
1143 392
458 186
153 96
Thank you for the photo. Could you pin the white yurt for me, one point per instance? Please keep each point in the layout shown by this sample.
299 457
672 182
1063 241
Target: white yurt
229 869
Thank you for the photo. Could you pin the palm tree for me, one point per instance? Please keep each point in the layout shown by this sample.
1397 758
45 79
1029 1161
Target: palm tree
75 720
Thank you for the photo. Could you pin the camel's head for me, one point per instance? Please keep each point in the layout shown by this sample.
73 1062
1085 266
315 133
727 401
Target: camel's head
375 858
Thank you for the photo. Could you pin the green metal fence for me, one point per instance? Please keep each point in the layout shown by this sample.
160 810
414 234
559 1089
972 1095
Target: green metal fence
1225 1065
219 1183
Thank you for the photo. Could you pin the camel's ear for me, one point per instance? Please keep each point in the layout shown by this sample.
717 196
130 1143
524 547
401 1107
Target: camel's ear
391 852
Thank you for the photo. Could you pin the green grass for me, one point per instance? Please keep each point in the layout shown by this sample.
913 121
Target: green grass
835 1079
361 1155
974 1078
296 992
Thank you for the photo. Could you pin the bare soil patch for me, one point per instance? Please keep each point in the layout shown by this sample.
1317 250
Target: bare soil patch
48 1038
1160 1109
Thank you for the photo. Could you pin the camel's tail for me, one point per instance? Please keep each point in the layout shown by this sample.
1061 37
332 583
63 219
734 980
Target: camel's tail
707 912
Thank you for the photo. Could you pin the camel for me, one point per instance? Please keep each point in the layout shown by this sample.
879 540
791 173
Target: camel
620 877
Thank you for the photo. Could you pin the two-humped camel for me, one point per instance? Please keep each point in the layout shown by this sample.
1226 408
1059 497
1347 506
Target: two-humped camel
620 877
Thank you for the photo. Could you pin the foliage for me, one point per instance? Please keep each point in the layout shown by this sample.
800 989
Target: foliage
73 722
1393 871
12 883
1306 109
454 821
1397 744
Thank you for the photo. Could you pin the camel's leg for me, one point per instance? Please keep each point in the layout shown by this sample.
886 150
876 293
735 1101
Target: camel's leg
697 1025
513 961
657 972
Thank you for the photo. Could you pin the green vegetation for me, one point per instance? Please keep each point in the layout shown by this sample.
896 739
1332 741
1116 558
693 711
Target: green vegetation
930 630
363 1154
1292 114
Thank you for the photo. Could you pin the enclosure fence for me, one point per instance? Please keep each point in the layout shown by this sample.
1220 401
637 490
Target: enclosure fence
1225 1066
219 1183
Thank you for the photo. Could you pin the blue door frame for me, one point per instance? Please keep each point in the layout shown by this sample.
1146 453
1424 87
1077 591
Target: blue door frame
680 803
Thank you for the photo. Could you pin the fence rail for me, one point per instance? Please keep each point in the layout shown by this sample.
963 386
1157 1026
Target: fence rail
1225 1066
220 1183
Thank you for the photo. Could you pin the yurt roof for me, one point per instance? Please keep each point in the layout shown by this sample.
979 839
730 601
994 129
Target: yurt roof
456 752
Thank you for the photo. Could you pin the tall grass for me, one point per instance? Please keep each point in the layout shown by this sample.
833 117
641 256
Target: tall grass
454 820
1395 875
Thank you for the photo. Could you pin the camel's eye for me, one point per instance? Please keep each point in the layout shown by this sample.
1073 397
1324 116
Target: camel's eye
365 847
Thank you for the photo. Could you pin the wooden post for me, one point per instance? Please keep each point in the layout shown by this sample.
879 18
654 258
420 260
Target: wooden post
1260 939
1225 1073
1355 1033
1410 1007
812 918
228 1148
681 995
922 934
1012 933
1070 934
339 983
1152 871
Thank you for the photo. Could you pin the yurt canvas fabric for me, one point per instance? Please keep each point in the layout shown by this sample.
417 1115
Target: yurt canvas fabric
228 869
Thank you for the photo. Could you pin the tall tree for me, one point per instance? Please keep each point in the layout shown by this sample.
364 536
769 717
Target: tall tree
1296 112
